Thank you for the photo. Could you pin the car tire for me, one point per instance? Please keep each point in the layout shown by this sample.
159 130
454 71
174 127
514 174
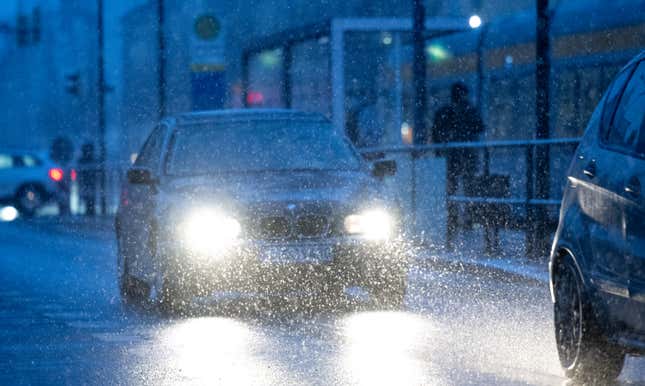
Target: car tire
585 353
132 290
174 300
389 292
29 198
334 294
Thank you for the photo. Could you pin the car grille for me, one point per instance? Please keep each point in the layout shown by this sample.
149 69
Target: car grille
311 226
274 227
283 227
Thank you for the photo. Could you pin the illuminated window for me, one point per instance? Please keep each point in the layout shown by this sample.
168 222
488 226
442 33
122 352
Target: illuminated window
6 161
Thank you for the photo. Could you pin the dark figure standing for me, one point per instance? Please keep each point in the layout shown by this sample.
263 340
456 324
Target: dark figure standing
87 178
458 121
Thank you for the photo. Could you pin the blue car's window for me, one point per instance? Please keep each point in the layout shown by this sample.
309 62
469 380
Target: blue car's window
612 99
628 118
257 146
627 126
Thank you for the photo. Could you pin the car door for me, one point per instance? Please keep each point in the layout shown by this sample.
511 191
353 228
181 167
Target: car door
597 180
629 120
7 178
138 221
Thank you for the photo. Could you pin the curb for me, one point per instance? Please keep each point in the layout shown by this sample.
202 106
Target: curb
96 226
523 271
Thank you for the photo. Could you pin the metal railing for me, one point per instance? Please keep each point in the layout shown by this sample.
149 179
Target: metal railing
528 203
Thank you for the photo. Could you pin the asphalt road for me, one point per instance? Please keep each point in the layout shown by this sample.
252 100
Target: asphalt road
61 321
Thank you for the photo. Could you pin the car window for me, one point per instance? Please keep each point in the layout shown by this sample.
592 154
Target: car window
6 161
30 161
628 120
258 146
25 161
612 98
151 150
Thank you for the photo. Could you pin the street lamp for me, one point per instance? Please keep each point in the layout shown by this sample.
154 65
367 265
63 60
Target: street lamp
475 21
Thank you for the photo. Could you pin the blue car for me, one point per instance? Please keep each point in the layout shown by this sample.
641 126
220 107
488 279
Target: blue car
597 263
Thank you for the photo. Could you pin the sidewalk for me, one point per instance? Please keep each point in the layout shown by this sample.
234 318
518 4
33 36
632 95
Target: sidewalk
98 226
512 260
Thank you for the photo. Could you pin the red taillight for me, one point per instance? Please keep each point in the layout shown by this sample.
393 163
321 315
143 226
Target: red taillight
124 197
72 174
56 174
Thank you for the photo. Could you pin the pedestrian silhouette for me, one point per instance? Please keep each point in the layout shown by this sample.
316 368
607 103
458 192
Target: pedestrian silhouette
457 121
87 178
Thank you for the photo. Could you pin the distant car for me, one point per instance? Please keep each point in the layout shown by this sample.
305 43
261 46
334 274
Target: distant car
255 200
28 180
597 262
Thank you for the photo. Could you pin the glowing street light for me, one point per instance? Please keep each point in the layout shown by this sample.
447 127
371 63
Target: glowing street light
8 213
475 21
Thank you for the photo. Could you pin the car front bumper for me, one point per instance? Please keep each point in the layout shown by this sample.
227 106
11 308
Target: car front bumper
351 261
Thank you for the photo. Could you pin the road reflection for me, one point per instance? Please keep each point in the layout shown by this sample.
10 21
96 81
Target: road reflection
385 348
218 350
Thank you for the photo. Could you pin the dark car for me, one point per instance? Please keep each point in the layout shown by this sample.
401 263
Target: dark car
598 258
262 201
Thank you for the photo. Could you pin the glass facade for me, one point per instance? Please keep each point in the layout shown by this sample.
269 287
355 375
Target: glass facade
311 76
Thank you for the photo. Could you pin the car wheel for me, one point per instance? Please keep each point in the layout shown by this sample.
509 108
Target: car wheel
389 292
132 290
334 294
29 199
584 352
173 298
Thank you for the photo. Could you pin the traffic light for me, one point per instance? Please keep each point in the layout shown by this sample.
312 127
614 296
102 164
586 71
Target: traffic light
22 30
35 25
73 83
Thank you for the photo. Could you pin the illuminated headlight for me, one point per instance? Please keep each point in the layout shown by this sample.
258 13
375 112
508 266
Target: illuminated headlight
208 231
375 224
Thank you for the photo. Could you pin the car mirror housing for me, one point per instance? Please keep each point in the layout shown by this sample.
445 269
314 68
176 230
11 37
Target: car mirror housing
141 176
384 168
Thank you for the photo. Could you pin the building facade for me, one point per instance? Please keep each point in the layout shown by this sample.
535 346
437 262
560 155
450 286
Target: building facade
40 101
241 24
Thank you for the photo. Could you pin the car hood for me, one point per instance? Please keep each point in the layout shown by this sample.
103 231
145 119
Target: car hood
339 186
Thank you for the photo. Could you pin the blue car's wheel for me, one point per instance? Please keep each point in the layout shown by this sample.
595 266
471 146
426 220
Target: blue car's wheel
585 353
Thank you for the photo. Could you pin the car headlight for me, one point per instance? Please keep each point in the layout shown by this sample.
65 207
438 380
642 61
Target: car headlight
374 224
208 231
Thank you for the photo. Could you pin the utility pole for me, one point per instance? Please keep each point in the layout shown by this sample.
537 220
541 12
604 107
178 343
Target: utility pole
101 106
480 87
420 102
542 159
419 72
161 59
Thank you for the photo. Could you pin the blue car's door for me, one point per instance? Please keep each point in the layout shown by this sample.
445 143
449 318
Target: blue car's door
596 175
629 120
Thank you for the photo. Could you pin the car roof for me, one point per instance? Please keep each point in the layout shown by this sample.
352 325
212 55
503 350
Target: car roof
17 151
637 58
246 115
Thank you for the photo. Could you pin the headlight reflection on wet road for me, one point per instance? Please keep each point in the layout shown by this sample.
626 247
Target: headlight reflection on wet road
217 350
373 348
386 348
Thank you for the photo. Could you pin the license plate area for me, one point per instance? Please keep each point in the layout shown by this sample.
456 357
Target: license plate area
296 254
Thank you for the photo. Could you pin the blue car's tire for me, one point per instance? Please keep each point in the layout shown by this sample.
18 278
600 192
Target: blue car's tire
585 353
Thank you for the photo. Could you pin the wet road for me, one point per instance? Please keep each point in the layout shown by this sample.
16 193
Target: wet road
61 321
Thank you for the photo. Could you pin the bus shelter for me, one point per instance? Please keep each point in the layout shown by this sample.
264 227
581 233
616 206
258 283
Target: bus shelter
356 71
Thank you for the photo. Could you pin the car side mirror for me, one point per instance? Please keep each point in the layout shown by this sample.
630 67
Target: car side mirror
141 176
384 168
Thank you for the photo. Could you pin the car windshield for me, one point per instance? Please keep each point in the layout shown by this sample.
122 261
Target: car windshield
255 146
